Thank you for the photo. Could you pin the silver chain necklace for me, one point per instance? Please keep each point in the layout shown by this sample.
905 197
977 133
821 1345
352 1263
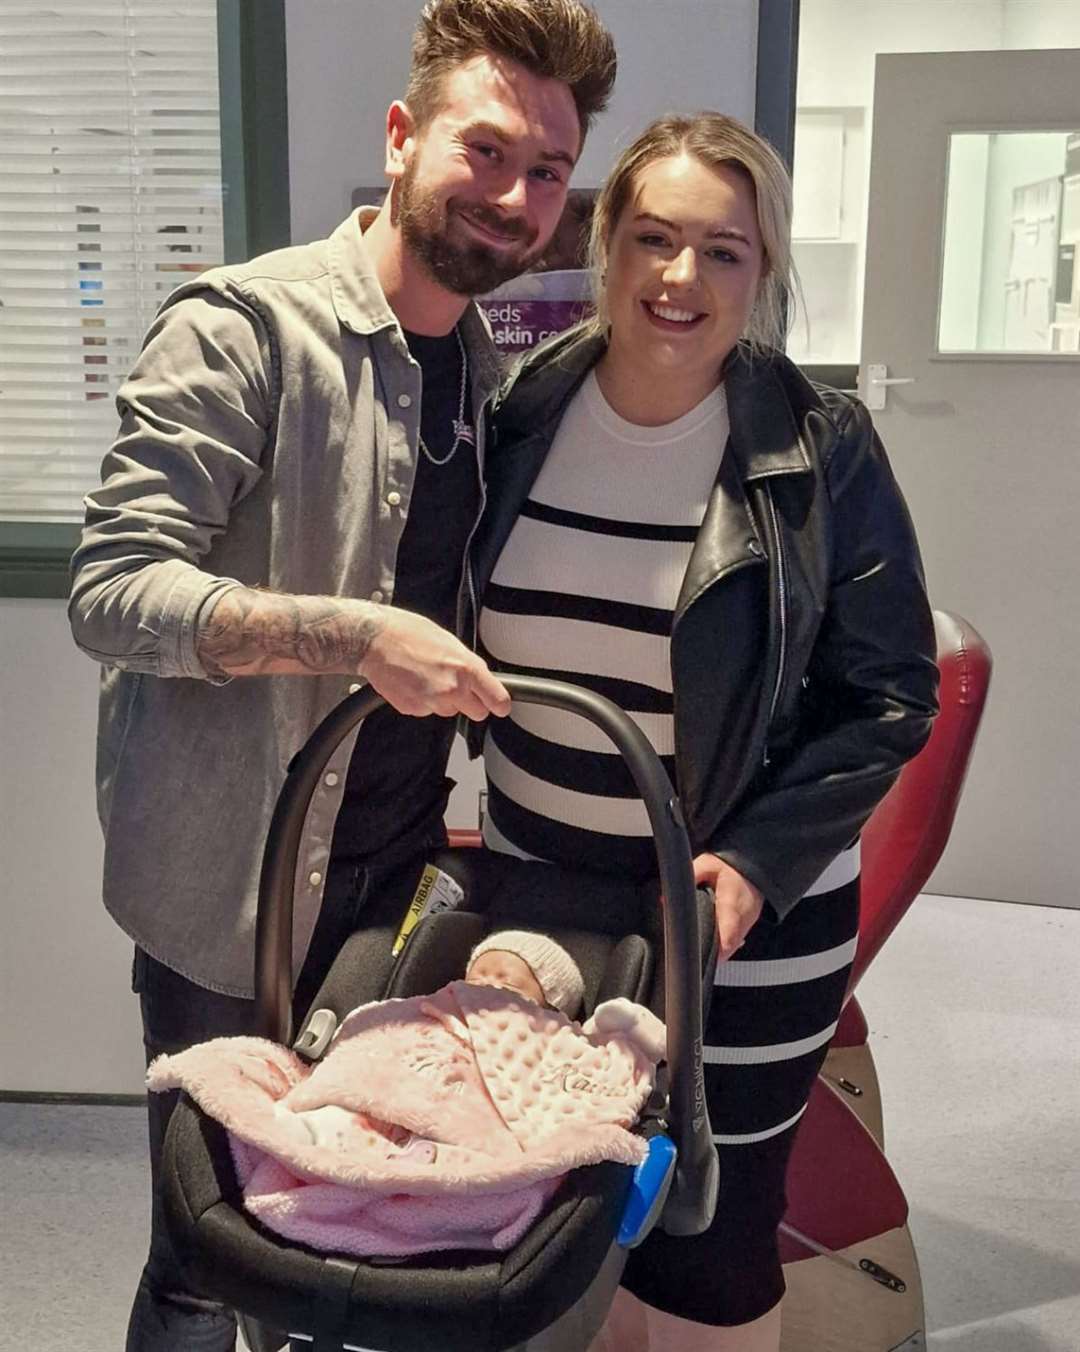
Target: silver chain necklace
463 431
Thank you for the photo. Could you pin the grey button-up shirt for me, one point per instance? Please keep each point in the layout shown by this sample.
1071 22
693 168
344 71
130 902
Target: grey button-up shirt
268 438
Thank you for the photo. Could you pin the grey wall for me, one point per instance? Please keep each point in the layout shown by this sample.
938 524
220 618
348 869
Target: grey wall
348 59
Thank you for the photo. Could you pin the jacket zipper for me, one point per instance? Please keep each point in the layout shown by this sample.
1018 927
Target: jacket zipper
782 588
467 583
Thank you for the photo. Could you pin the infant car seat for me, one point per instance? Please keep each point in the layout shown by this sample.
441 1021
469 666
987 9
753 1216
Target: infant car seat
552 1288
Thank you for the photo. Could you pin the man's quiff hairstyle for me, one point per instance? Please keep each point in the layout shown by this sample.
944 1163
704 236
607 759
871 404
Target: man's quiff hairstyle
560 40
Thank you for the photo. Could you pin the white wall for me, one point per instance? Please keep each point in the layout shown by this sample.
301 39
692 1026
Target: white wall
838 40
68 1020
1040 23
348 59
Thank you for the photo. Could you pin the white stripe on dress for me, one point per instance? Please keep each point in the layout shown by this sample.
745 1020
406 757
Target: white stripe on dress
752 1137
844 869
775 1051
786 971
587 563
567 729
588 811
547 643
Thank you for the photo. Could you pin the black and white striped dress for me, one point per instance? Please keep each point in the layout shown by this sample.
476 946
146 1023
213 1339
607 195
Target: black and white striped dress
584 591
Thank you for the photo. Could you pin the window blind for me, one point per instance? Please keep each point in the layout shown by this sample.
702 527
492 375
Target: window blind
110 191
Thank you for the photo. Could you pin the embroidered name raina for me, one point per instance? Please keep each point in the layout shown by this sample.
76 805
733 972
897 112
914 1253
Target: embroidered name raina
572 1081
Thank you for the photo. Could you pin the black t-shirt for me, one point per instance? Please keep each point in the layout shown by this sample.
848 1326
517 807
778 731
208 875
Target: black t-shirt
396 779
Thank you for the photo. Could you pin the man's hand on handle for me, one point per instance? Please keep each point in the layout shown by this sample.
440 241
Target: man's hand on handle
421 669
736 902
416 666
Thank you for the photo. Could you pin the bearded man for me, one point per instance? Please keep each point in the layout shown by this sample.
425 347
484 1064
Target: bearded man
286 511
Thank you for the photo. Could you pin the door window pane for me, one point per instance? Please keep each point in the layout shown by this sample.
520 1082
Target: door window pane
839 41
1012 223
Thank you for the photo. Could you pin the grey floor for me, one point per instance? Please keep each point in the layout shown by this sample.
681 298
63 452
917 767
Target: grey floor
975 1015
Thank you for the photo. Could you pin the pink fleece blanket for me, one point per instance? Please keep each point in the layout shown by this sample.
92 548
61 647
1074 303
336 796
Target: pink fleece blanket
436 1122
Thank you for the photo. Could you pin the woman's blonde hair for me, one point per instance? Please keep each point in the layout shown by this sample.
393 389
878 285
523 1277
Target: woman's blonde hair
715 141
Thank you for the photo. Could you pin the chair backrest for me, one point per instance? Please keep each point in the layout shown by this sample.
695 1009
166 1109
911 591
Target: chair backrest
907 833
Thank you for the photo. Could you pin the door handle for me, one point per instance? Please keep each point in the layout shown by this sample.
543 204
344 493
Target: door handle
877 382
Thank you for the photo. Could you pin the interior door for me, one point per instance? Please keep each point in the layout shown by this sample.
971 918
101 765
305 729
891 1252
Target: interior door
972 301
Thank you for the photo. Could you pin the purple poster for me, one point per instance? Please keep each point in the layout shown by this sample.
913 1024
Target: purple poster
555 295
531 308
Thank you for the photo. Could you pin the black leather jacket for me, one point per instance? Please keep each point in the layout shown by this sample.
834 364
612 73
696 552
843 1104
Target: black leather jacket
802 645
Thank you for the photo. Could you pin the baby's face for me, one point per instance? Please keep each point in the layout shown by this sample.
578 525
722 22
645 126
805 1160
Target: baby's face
507 970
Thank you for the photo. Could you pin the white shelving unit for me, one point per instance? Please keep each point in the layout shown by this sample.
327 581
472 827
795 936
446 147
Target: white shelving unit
829 208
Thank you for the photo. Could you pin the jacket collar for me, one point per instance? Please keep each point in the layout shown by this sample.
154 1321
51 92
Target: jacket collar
358 298
360 305
765 438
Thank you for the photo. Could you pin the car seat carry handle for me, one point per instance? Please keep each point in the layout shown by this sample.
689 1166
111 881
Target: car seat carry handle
692 1199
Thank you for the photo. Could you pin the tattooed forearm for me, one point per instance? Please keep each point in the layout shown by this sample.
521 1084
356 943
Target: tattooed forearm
255 633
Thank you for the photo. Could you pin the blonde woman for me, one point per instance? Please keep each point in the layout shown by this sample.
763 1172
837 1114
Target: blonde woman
680 520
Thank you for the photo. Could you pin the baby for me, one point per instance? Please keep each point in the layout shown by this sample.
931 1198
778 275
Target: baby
536 967
529 964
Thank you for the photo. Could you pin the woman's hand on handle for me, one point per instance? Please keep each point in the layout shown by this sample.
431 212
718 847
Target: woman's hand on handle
737 903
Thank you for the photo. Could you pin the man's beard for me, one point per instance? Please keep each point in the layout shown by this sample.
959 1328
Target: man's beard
467 268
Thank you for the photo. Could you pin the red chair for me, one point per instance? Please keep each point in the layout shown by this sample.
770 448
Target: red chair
853 1278
904 839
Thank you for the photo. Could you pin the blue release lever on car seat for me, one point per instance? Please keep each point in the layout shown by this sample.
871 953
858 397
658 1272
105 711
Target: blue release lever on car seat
648 1192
